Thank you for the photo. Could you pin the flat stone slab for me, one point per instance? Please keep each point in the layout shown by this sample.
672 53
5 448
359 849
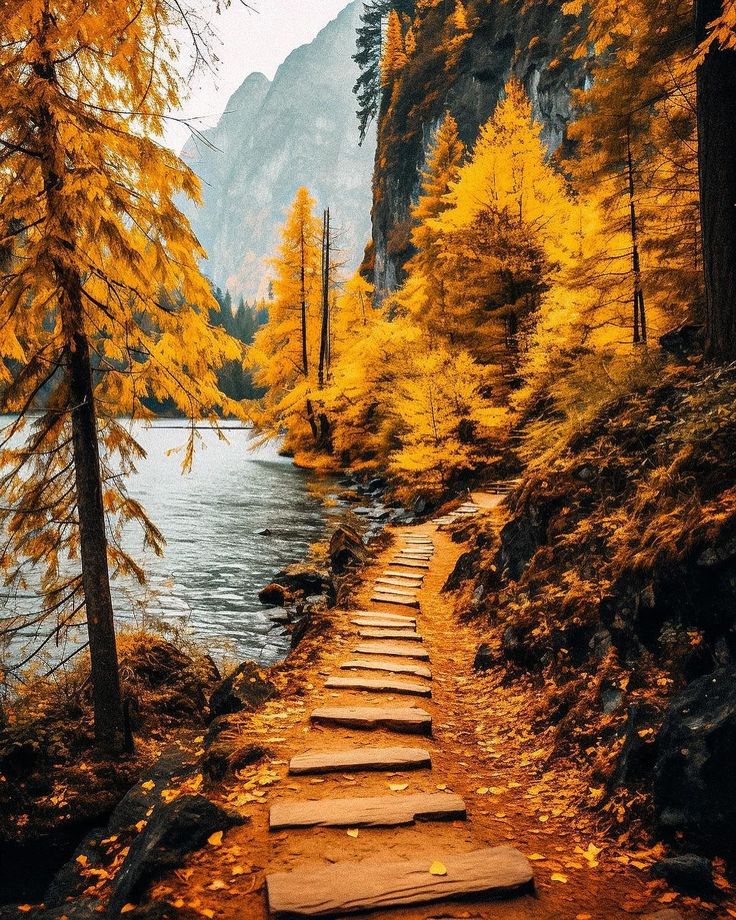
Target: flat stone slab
376 884
386 620
393 667
409 563
400 583
381 598
365 758
410 720
410 579
382 613
390 633
394 649
378 685
413 554
376 811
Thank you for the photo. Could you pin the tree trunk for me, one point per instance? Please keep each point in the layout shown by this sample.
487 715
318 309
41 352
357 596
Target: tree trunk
716 109
303 294
106 694
640 316
325 328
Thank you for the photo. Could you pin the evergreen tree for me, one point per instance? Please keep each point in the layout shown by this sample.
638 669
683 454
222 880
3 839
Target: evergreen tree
394 57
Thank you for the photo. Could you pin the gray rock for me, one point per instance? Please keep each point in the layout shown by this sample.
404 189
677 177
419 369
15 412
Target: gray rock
696 762
173 830
247 688
689 873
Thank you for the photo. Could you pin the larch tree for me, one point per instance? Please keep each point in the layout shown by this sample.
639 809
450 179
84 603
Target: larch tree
715 27
424 294
102 306
285 351
503 233
394 57
634 132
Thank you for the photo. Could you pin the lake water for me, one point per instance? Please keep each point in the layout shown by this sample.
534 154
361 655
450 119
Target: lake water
215 561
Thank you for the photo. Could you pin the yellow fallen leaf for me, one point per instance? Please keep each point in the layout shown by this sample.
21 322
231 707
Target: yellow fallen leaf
559 877
140 825
217 885
353 832
544 818
668 897
149 784
82 860
442 786
126 908
482 791
207 912
215 839
583 917
398 787
438 868
535 857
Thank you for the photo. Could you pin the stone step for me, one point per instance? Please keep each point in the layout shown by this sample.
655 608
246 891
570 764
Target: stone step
396 583
393 649
398 617
390 633
393 667
385 598
400 590
374 811
411 578
378 685
376 884
385 620
361 758
412 554
409 720
409 564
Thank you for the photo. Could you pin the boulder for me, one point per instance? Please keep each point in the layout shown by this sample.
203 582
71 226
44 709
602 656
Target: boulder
346 549
273 594
484 657
225 756
683 342
173 830
688 873
696 762
247 688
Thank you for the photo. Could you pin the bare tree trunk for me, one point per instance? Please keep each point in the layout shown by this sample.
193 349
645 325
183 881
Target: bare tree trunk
106 694
325 329
303 293
640 316
716 108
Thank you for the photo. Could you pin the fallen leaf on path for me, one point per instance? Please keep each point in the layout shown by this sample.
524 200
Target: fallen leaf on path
353 832
438 868
149 784
217 885
127 908
535 857
559 877
215 840
398 787
668 897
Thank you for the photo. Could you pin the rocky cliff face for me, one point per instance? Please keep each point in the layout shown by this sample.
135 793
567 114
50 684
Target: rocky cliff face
274 137
515 37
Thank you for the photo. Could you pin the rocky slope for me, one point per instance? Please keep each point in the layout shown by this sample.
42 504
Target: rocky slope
514 37
274 137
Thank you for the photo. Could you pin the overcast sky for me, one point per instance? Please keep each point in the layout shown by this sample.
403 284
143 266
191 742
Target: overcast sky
249 41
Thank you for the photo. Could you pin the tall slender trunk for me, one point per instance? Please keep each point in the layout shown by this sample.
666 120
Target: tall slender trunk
109 720
640 316
106 693
325 327
716 110
303 296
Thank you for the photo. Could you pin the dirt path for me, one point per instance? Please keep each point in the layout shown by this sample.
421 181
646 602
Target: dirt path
482 749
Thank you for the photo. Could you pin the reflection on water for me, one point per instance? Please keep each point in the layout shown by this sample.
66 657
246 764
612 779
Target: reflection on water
215 561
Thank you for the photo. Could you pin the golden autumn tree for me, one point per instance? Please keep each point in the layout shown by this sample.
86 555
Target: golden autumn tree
102 306
502 236
394 54
424 292
285 351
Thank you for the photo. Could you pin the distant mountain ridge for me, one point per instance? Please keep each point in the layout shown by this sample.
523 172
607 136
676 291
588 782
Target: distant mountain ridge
275 136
